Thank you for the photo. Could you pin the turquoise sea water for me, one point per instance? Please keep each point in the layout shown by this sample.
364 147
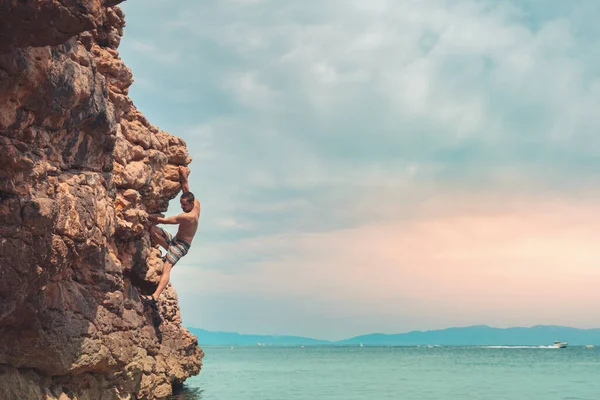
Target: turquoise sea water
381 373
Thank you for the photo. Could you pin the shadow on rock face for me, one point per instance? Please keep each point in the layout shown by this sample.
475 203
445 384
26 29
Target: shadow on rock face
183 392
138 270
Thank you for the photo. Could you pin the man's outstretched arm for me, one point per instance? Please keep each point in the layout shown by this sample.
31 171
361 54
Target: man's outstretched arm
176 219
183 178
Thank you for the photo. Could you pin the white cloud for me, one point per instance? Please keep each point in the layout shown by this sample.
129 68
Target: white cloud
371 93
511 261
154 53
312 117
251 92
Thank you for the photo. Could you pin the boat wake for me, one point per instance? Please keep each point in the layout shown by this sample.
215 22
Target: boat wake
519 347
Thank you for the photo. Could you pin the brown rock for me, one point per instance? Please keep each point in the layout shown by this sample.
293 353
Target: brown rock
80 170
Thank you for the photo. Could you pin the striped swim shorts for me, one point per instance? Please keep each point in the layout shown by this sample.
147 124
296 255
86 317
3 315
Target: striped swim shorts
177 247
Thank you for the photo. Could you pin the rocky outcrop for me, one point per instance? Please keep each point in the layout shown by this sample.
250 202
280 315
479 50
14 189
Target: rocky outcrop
80 170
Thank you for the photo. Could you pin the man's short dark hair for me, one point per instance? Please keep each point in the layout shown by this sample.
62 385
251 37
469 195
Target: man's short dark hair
188 196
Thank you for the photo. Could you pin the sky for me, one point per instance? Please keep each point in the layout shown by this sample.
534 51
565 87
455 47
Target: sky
380 166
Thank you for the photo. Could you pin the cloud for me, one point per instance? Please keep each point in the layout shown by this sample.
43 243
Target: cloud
383 88
319 129
407 82
250 92
501 266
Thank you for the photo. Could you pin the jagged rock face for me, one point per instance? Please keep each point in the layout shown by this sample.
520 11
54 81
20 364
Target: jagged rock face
80 169
41 23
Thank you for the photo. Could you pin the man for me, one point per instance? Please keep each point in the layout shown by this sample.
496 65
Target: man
179 245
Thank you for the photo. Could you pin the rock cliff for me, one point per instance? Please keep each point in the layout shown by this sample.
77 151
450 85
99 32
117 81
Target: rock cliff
80 170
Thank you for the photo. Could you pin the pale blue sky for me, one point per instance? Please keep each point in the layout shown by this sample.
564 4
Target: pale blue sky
315 123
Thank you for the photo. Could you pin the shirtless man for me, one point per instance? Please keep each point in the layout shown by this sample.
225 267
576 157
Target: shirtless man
179 245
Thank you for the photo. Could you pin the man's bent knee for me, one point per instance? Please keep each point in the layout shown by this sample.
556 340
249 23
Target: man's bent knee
156 233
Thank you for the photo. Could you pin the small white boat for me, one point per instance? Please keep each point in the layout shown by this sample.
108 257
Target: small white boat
361 345
589 346
561 345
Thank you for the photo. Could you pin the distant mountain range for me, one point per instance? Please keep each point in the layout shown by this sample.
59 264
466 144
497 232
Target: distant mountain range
470 335
237 339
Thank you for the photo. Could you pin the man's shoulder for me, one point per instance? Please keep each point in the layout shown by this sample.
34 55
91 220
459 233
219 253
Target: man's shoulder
184 216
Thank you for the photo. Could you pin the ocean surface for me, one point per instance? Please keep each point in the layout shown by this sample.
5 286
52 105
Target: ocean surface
381 373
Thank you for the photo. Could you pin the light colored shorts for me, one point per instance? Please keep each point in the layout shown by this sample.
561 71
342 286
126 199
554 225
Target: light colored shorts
177 247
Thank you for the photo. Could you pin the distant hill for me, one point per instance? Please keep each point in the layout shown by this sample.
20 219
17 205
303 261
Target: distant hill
484 335
470 335
236 339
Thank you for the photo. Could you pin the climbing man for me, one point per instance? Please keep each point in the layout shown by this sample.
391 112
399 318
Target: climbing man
179 245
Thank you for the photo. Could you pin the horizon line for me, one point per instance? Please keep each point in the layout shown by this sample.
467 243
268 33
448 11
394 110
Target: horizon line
399 333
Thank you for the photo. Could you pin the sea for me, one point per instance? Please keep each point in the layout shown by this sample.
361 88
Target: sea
382 373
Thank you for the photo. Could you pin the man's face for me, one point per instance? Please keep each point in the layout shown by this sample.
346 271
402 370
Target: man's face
186 205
